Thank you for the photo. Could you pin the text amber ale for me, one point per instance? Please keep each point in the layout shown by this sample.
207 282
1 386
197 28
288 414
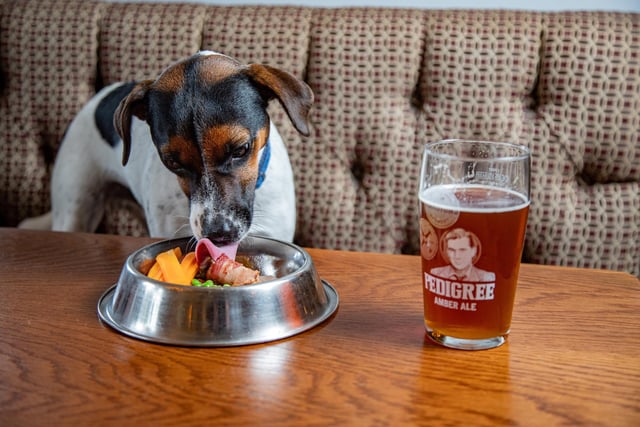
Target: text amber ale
471 241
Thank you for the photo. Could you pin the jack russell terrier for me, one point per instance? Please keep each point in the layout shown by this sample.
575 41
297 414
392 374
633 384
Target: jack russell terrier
202 121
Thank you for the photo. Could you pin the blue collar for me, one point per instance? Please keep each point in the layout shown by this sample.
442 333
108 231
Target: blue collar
264 164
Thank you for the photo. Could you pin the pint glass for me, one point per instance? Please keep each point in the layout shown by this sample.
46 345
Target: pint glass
474 202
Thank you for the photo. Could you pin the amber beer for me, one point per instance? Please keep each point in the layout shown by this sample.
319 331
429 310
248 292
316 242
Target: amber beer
471 243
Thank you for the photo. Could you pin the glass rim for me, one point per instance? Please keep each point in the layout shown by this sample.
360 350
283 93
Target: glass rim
525 151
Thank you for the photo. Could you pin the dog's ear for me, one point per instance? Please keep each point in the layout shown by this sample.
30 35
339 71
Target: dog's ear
133 105
295 95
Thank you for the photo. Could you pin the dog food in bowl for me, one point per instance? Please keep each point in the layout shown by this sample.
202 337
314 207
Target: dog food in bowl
207 266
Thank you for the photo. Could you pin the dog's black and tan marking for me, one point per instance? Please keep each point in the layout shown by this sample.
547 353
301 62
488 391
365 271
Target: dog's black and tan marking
105 110
207 117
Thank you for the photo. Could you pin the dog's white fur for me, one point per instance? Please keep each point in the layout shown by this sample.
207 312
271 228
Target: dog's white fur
85 164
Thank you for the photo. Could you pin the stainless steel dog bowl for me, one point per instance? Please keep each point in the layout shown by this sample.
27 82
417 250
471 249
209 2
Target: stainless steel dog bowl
295 301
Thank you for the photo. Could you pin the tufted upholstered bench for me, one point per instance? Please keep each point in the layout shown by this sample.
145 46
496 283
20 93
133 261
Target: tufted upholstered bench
386 80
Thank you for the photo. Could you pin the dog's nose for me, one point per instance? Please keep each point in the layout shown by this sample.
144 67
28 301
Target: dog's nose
220 230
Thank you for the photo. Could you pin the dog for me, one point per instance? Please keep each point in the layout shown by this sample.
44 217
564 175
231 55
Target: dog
195 147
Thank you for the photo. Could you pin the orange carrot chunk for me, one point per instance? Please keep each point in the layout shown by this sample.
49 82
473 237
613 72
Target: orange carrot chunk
155 272
189 265
171 269
178 252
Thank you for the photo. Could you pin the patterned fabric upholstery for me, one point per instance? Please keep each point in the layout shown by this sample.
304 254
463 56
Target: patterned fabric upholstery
386 81
47 63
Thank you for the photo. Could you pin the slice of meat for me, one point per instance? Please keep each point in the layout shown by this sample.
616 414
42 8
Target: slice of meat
224 270
220 265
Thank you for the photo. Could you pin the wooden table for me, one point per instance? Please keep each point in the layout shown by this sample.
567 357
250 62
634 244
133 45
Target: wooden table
572 357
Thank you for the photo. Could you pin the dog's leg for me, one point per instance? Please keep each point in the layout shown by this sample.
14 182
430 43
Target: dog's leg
79 176
77 197
42 222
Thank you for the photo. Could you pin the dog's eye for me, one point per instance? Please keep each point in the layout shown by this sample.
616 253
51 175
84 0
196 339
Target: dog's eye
241 151
174 165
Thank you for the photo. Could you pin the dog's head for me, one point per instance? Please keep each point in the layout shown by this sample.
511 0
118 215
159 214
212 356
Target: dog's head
207 117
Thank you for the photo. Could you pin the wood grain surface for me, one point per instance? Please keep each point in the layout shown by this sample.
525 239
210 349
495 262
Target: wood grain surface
572 357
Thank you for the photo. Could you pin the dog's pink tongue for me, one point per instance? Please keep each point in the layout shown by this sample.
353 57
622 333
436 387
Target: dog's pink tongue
206 248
